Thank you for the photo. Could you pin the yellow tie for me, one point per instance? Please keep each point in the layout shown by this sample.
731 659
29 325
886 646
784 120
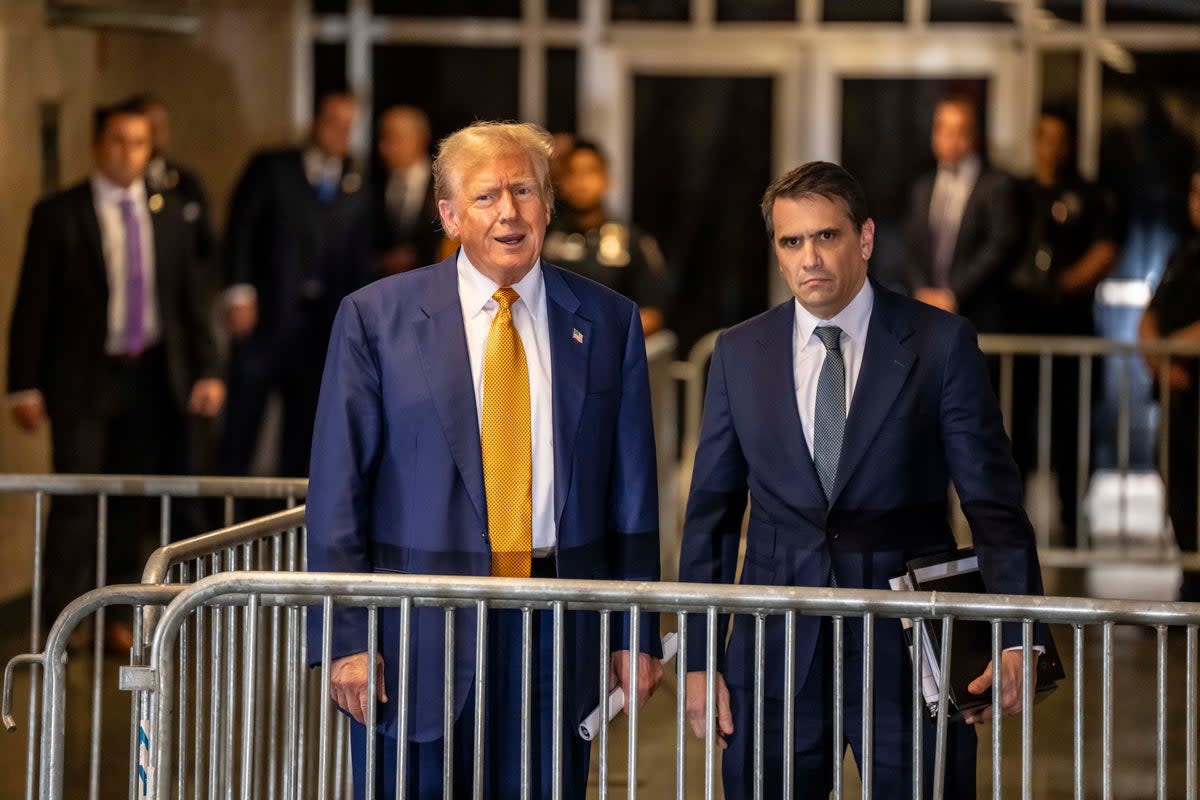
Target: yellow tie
506 444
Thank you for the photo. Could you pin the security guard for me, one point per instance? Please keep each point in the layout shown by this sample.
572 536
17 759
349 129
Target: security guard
585 239
1070 250
1174 315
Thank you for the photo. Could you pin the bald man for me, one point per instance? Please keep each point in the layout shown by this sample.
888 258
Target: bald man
406 231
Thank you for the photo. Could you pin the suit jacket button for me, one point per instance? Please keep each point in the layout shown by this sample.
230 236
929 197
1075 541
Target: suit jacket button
834 532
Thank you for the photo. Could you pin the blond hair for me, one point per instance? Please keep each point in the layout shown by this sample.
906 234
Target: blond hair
481 141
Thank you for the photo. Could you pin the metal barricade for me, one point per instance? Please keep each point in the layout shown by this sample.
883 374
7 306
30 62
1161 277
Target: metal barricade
1094 704
167 490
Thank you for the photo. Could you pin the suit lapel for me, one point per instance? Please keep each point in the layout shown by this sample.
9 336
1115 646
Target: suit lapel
569 361
775 375
885 367
91 233
161 257
443 345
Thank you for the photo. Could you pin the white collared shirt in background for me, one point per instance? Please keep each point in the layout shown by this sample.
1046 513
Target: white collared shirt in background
951 190
808 353
412 185
106 198
533 326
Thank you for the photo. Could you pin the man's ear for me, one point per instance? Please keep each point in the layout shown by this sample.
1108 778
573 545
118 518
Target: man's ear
449 218
867 239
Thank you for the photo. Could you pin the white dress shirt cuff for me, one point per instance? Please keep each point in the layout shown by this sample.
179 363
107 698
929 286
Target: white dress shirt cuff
16 398
1037 648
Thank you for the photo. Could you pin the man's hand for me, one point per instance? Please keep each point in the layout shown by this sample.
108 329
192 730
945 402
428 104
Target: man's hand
650 674
696 700
1011 686
348 684
30 412
208 395
939 298
241 317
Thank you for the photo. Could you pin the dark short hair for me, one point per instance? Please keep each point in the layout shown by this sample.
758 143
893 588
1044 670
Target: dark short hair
130 106
589 146
822 178
337 93
1064 116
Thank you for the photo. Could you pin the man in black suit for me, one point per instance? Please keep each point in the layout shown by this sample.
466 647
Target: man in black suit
166 175
298 240
110 343
406 231
963 232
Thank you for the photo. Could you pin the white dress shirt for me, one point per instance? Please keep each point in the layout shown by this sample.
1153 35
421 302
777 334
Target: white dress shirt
319 167
951 189
475 292
106 197
407 190
808 353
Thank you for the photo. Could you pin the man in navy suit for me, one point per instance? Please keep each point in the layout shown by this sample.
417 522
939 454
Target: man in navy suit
406 475
299 240
844 413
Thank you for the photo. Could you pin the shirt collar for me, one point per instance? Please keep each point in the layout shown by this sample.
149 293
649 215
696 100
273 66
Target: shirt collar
968 168
853 319
106 191
475 289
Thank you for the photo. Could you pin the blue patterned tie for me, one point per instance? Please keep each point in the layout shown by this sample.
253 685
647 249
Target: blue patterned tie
829 422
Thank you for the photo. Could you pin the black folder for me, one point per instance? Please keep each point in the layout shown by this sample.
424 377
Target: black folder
971 642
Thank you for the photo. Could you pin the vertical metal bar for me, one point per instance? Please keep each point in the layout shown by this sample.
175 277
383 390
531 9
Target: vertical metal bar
250 699
631 698
839 704
229 514
997 717
164 520
372 706
943 707
605 633
1083 448
231 667
759 672
1162 712
98 648
292 684
185 644
1045 382
1191 712
710 704
341 776
868 705
789 700
1078 729
216 706
35 643
1107 715
681 708
402 687
273 681
918 707
448 706
481 663
324 754
1006 390
201 688
302 685
1027 685
526 698
557 727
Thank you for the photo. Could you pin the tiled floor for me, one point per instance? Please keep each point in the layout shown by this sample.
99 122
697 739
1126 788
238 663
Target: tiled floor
1134 714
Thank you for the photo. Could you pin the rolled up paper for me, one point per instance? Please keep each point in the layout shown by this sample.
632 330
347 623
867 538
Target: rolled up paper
616 698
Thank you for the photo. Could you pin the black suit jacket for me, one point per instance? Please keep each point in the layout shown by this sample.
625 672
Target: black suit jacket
985 252
302 256
178 178
60 321
423 233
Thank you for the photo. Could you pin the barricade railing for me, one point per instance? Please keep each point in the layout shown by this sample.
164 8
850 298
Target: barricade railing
1094 770
281 535
1098 541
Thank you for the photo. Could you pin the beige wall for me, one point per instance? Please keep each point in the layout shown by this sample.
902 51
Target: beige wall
230 89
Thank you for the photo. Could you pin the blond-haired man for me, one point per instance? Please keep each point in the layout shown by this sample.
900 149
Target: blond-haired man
488 415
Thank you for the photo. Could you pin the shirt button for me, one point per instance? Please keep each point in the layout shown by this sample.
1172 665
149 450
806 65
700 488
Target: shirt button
833 532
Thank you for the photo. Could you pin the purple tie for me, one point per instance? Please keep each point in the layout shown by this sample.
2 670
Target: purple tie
135 281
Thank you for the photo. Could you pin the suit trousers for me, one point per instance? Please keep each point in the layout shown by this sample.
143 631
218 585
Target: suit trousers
502 730
132 429
812 773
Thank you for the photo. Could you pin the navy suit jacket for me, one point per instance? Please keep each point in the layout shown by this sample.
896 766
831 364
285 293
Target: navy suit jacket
397 478
923 413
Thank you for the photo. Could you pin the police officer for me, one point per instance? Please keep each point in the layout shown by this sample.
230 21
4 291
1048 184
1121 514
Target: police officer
1069 251
585 239
1174 315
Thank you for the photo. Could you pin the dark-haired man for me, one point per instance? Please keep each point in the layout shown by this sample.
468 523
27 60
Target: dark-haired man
583 237
110 344
298 241
845 413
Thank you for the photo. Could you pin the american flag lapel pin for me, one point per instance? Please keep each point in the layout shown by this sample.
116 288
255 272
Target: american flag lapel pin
577 336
